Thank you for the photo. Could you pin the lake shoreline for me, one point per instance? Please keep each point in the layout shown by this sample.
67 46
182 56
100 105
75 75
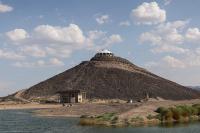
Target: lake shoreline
169 115
150 123
24 120
14 106
135 114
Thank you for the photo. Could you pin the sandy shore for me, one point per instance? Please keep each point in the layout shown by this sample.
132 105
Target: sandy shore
91 109
135 114
124 110
5 106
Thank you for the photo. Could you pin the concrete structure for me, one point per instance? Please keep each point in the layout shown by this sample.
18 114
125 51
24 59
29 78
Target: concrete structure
72 96
104 52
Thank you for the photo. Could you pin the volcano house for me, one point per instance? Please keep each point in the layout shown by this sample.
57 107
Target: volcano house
107 76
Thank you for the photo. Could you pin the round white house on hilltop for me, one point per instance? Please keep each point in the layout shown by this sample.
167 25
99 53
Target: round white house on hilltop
104 52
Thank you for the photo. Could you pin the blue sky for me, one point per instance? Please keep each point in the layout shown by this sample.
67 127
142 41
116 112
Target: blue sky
42 38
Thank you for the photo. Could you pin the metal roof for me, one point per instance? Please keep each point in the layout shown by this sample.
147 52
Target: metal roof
105 51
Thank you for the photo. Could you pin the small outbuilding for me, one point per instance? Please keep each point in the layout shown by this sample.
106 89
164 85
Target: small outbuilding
72 96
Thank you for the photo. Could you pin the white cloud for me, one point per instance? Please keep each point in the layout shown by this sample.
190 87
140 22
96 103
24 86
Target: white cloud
95 34
41 16
60 52
173 62
67 35
165 37
5 8
192 59
125 23
150 37
2 85
151 64
171 32
148 13
198 51
115 38
102 19
59 38
10 55
189 60
56 62
169 48
107 42
5 88
172 26
40 63
167 2
46 41
98 40
17 34
33 50
193 34
171 37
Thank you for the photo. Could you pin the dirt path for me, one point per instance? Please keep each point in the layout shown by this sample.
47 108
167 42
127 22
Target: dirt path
18 96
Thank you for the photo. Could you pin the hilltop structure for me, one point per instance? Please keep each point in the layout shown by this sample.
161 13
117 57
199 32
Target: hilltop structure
104 52
107 76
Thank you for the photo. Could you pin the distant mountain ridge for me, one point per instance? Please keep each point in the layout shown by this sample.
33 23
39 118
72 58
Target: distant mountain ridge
194 87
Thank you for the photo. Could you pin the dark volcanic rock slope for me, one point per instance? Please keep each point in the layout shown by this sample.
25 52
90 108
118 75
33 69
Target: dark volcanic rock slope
111 77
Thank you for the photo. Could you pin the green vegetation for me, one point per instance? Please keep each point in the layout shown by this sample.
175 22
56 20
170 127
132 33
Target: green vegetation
150 117
114 120
178 113
104 119
106 116
84 116
136 119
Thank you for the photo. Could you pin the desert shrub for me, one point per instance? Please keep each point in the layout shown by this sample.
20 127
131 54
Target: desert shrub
176 113
165 114
160 110
106 116
114 119
126 122
137 118
197 107
84 116
195 111
150 117
187 111
168 115
88 121
158 116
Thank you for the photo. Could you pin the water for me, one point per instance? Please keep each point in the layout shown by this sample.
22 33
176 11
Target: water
22 121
